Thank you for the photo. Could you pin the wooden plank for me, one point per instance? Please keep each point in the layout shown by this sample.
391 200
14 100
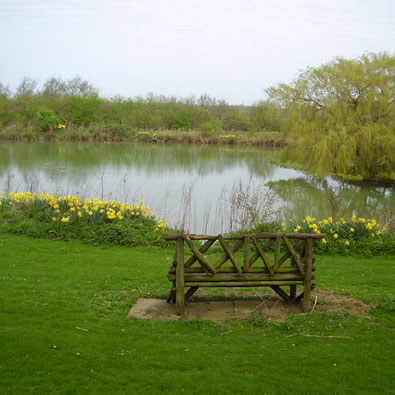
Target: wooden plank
292 288
300 296
175 236
171 294
246 263
202 260
280 291
288 254
255 257
242 283
295 256
229 253
288 235
180 301
199 269
225 257
277 253
190 292
220 277
262 254
202 249
307 276
292 292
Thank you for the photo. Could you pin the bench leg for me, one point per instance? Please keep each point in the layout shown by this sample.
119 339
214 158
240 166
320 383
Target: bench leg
292 292
307 276
180 299
190 292
280 292
172 294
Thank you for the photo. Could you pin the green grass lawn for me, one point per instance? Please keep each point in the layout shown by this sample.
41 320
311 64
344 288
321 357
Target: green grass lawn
48 289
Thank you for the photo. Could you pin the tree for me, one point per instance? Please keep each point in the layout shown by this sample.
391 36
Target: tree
4 91
26 87
54 87
343 116
78 87
83 111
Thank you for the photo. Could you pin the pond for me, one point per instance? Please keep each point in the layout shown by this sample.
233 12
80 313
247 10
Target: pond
211 188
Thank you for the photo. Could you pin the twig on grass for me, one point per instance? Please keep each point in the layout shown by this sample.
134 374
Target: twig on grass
81 329
315 302
323 336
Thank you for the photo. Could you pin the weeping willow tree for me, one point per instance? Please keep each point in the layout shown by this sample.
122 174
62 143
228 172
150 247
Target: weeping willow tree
343 116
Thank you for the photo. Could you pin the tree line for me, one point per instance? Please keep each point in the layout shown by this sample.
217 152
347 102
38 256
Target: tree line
77 102
341 114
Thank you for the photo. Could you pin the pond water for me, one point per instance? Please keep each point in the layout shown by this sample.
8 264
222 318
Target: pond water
201 184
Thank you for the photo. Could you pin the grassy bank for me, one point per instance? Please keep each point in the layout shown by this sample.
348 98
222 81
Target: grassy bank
124 133
49 289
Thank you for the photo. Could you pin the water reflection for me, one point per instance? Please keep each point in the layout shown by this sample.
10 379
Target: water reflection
312 196
88 157
160 174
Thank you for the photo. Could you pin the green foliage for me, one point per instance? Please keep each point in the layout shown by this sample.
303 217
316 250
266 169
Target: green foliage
46 119
82 111
67 218
6 113
211 127
356 236
342 114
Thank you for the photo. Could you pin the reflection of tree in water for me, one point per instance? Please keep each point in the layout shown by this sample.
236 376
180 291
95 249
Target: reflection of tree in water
77 165
311 196
5 159
88 157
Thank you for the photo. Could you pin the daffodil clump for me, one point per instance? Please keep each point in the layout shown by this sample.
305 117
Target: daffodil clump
71 209
343 231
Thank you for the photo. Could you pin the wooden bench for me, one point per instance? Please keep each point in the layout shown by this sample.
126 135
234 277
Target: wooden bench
292 264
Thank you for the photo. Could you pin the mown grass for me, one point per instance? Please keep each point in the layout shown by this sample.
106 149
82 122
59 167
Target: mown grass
48 289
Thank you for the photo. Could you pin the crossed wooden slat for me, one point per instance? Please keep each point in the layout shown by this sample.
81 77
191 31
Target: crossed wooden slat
248 262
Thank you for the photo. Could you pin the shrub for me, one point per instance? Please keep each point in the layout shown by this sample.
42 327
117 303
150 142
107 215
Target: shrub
359 236
46 119
211 127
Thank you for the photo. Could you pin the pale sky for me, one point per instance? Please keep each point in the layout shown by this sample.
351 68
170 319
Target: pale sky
229 49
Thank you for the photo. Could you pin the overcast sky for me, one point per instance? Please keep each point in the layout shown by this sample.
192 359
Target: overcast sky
230 49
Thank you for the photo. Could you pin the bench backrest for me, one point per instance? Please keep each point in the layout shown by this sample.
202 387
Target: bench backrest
291 251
